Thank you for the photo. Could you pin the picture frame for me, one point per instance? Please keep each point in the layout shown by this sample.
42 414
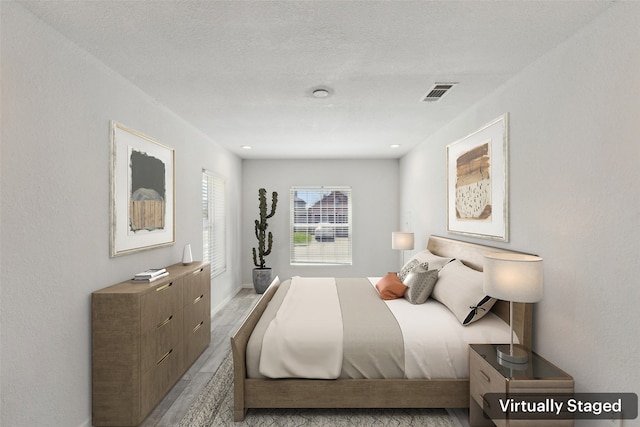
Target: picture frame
142 196
477 182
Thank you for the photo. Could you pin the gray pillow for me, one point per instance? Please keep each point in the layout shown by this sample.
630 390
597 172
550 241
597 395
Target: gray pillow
410 266
420 283
460 288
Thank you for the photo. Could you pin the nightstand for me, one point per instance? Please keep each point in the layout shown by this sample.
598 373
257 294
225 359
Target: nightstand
487 375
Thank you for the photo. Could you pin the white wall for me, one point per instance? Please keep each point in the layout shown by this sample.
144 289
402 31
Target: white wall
56 105
374 186
574 197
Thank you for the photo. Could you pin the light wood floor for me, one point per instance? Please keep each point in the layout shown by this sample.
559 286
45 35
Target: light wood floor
174 406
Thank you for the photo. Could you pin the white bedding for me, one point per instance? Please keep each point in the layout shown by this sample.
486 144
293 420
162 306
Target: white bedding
289 350
436 344
433 343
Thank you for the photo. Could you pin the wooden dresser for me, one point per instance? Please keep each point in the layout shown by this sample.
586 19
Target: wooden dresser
144 337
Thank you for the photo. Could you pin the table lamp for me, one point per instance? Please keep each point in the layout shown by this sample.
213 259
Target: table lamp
402 241
515 278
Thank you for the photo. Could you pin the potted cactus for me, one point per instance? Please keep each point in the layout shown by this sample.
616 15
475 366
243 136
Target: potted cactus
262 274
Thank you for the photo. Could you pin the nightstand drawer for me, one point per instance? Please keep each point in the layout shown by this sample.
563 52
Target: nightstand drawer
484 378
477 390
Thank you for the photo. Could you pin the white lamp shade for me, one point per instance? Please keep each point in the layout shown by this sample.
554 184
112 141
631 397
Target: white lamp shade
513 277
401 240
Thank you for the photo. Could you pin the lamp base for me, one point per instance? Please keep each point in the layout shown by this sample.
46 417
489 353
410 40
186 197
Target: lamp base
518 355
513 366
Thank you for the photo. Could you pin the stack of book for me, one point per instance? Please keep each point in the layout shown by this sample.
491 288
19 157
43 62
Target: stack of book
151 275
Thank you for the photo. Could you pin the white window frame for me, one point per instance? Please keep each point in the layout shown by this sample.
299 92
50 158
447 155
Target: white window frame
329 229
214 230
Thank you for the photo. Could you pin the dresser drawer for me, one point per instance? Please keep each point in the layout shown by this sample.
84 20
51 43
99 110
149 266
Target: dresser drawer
155 343
197 313
197 283
197 327
160 378
163 301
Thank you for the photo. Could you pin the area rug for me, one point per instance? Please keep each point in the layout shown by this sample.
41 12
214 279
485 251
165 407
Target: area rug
214 408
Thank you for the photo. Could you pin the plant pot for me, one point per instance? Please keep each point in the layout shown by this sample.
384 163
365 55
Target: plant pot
261 279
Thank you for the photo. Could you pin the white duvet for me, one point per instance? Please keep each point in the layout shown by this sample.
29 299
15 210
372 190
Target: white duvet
288 350
435 343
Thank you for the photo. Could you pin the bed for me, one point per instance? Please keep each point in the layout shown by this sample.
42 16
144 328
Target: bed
256 391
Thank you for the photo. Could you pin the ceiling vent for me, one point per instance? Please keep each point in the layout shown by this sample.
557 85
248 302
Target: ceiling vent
438 91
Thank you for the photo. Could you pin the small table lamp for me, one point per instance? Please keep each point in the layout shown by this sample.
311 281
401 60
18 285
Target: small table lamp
402 241
513 277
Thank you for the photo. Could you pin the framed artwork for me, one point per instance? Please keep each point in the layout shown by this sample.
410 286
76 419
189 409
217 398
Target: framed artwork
477 182
142 192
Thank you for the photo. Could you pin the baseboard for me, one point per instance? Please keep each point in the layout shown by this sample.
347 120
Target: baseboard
220 306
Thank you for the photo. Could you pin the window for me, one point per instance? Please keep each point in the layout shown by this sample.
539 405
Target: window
320 225
214 245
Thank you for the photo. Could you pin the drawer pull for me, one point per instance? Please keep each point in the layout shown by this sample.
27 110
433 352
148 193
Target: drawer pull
163 287
198 299
198 326
164 357
164 322
486 377
486 403
198 271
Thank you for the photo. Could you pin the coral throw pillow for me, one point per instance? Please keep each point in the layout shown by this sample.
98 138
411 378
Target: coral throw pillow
391 287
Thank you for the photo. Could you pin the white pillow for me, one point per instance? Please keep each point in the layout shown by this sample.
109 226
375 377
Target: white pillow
460 289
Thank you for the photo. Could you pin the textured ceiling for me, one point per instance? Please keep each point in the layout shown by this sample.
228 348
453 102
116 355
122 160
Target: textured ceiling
243 71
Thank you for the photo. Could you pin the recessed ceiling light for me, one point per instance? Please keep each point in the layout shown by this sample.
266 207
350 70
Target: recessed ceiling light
321 92
246 147
395 146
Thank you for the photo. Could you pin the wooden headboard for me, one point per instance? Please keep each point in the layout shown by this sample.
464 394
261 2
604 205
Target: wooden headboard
472 255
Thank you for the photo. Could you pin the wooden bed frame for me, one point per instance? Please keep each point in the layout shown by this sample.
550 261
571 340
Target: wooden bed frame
363 393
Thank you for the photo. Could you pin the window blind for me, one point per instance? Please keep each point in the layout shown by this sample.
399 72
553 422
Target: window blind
213 222
320 226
